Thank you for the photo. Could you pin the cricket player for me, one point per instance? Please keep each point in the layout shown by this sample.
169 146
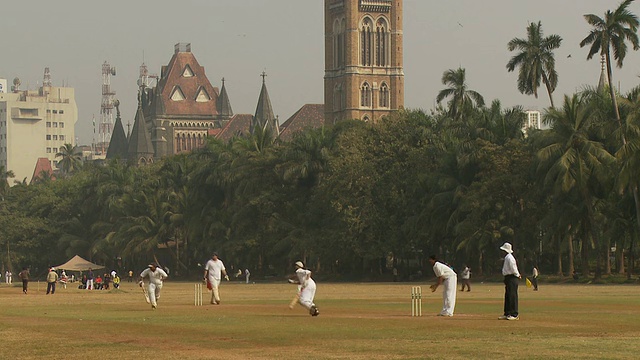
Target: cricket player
448 278
307 288
213 271
156 277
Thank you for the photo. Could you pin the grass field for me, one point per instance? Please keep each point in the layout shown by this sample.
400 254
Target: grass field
357 321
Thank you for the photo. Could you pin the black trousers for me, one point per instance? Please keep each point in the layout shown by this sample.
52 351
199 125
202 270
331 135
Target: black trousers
51 287
511 295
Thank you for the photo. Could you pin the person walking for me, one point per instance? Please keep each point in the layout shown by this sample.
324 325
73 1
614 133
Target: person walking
213 272
534 278
90 279
156 278
307 290
448 278
24 276
130 279
511 278
466 275
247 274
52 279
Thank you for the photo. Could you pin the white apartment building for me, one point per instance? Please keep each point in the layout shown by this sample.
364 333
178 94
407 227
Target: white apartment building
533 120
35 124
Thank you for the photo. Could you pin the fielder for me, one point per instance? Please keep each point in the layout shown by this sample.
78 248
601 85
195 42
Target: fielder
307 288
212 272
156 277
448 278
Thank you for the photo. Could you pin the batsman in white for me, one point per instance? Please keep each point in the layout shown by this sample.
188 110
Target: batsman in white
213 271
448 278
156 278
307 288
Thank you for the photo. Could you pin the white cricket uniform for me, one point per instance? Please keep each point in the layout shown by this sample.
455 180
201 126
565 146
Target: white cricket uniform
450 283
214 270
155 283
308 288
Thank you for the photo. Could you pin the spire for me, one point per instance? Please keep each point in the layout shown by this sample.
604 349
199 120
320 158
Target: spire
604 78
264 117
140 150
118 145
224 105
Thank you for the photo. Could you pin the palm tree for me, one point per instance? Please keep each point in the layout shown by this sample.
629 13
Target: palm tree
612 33
462 98
535 60
71 158
4 180
574 165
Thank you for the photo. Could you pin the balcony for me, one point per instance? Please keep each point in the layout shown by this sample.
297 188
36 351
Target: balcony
376 5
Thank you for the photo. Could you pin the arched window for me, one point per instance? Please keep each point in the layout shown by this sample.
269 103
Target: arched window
365 118
384 95
366 42
381 42
365 95
337 97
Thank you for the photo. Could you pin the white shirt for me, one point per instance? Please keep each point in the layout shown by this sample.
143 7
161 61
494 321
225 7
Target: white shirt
535 272
155 277
510 267
466 273
442 270
215 268
303 276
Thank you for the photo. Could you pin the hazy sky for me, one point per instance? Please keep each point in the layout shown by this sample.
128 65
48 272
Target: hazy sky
238 39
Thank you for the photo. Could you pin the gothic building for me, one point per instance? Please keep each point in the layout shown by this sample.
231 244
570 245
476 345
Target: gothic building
364 76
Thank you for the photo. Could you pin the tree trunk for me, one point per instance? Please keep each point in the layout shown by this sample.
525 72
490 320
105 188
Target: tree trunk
572 267
546 83
608 260
612 91
559 256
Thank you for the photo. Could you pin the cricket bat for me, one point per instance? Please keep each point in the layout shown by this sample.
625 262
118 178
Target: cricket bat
146 294
294 301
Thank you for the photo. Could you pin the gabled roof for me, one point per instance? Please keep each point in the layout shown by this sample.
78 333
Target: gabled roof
139 141
308 117
238 125
118 146
42 166
264 112
172 78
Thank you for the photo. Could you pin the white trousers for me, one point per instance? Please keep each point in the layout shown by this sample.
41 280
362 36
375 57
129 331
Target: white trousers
154 293
215 294
89 284
449 287
307 295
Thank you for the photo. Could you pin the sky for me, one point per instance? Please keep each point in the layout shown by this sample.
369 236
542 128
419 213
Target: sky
239 39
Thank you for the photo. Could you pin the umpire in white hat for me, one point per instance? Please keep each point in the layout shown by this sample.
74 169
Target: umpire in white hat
511 279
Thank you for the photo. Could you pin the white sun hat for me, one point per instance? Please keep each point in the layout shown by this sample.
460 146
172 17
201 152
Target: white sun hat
506 247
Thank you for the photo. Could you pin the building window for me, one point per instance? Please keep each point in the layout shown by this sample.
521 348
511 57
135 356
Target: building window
55 150
48 137
381 42
337 98
61 112
55 124
49 150
339 27
384 95
365 95
61 124
55 111
366 39
55 137
61 137
48 124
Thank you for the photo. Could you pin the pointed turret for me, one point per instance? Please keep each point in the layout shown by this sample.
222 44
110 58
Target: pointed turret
224 105
604 78
140 150
118 146
264 117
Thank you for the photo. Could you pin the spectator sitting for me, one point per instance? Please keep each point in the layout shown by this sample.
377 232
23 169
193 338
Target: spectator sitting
99 283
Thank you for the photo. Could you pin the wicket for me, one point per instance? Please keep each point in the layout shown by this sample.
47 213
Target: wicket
416 301
197 294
